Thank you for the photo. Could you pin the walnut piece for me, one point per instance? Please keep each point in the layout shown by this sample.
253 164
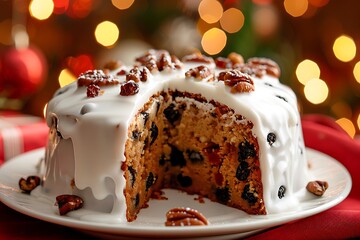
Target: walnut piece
29 184
238 81
317 187
68 202
201 72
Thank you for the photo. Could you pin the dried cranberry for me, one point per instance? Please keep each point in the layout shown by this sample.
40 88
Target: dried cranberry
129 88
92 90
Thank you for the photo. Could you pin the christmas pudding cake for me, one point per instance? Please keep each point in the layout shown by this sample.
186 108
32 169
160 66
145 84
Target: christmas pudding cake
222 128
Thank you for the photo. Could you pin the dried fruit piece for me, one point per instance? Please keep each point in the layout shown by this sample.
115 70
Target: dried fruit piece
248 195
153 132
185 181
129 88
29 184
132 172
92 90
150 180
171 114
271 138
212 153
243 172
222 194
177 157
67 203
201 72
281 191
185 217
317 187
195 156
246 150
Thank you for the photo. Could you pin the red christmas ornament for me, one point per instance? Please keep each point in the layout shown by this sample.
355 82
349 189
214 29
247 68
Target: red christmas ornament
22 72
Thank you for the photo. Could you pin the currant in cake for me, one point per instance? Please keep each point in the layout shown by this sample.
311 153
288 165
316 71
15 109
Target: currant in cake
224 129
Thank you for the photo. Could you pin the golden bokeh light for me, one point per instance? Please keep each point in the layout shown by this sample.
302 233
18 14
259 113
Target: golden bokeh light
356 72
318 3
106 33
44 110
122 4
296 8
347 125
66 77
41 9
213 41
344 48
232 20
307 70
316 91
358 121
210 10
265 20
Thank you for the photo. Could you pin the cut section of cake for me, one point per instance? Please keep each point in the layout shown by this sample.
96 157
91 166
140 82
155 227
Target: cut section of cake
224 129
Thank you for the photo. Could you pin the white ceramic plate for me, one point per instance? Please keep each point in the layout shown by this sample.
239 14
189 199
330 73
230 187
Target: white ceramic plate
226 222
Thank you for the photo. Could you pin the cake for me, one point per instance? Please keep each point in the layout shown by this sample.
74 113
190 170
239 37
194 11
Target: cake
222 128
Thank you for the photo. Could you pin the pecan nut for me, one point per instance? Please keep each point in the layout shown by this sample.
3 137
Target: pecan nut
317 187
185 217
238 81
97 77
197 57
29 184
200 72
129 88
68 202
271 67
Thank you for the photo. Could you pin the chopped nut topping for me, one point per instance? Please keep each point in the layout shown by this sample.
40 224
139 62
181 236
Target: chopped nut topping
29 184
238 81
235 58
197 57
67 203
317 188
200 72
97 77
129 88
159 60
137 75
224 63
271 67
185 217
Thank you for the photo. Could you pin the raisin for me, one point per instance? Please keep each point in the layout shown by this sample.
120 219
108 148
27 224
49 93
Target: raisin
162 160
248 196
271 138
281 192
135 135
132 175
185 181
246 150
177 157
145 117
150 180
136 200
242 171
171 114
92 90
153 132
195 156
223 194
282 98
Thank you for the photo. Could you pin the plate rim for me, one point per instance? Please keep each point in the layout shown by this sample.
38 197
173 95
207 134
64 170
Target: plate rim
186 231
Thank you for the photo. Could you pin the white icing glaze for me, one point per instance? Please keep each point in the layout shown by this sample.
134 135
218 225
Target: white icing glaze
94 133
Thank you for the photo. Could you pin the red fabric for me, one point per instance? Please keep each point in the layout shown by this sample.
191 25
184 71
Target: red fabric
342 221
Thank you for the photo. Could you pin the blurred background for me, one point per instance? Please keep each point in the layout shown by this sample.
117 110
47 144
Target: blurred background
45 44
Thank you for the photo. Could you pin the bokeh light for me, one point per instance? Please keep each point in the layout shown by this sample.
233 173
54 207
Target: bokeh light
106 33
41 9
341 109
66 77
210 10
122 4
44 110
79 8
318 3
60 6
232 20
356 72
344 48
358 121
307 70
316 91
213 41
347 125
296 8
265 20
5 32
